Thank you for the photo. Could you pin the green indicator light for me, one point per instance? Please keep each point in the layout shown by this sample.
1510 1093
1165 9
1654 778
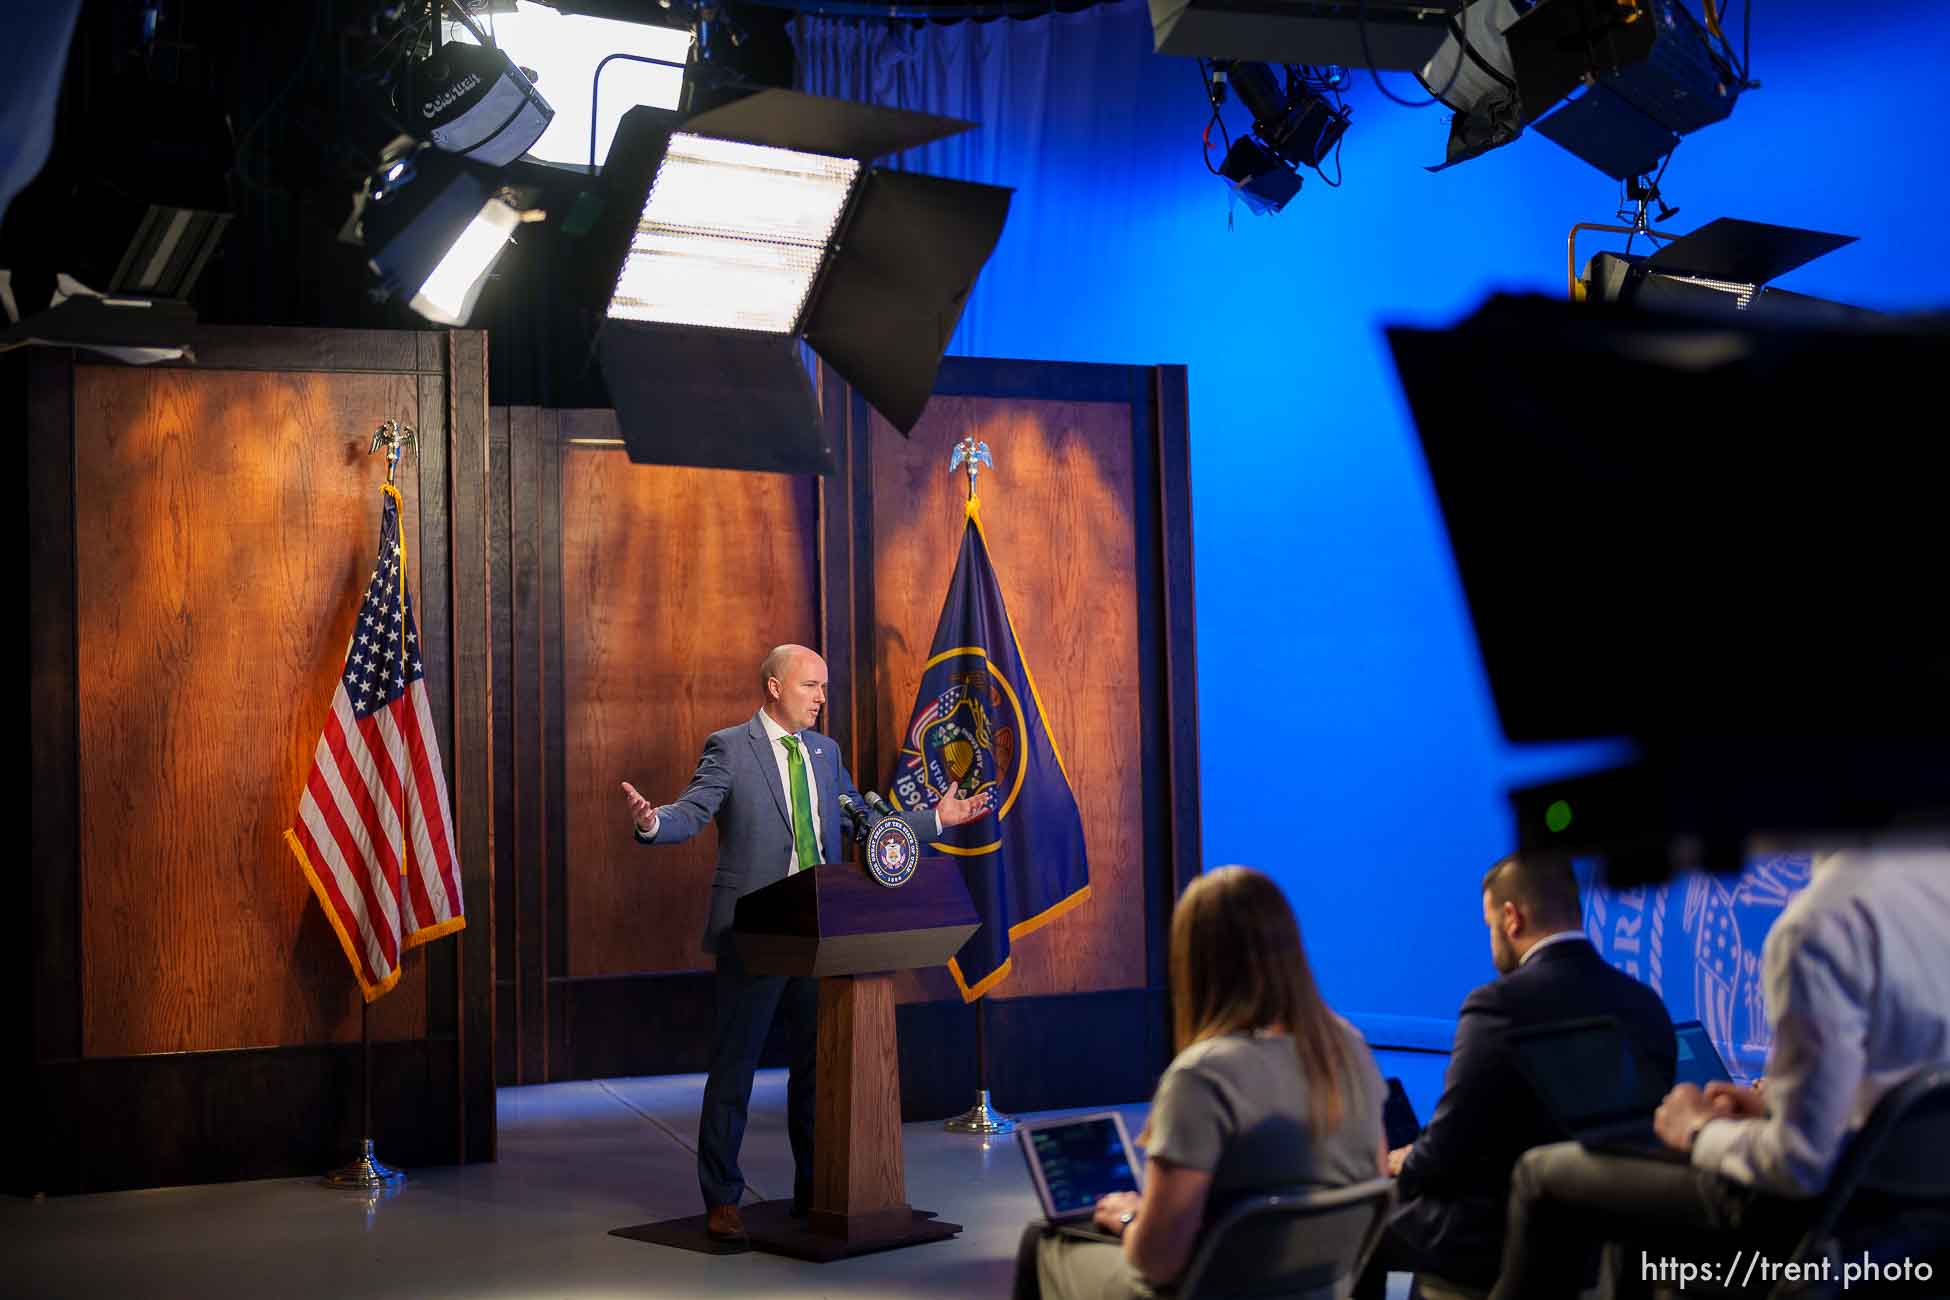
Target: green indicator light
1558 815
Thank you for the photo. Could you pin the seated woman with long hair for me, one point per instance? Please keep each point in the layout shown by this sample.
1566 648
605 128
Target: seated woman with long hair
1269 1090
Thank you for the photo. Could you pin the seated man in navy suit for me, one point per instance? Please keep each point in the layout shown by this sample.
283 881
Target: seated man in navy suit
774 787
1455 1179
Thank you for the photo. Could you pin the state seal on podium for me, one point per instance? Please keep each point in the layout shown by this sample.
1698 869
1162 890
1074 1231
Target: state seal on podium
893 851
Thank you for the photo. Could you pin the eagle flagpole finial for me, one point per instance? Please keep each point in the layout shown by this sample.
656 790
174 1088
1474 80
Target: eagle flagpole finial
973 455
395 438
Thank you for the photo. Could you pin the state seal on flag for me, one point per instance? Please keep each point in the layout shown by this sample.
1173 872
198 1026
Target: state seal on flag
968 739
893 852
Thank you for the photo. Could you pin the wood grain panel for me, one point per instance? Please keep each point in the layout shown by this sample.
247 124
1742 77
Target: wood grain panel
857 1166
507 917
442 510
675 584
289 348
527 858
470 751
204 1117
226 522
1058 512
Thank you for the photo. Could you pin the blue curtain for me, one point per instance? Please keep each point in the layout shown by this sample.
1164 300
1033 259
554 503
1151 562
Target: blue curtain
1047 92
1348 741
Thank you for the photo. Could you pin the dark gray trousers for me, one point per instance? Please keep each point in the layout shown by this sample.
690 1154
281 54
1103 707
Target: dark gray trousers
746 1006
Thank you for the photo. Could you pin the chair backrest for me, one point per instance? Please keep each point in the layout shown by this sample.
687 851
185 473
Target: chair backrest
1900 1150
1299 1243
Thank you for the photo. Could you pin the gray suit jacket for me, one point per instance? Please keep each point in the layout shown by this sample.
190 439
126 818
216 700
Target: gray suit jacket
737 785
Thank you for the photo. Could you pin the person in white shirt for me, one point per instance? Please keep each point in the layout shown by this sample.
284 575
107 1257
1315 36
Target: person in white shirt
1856 979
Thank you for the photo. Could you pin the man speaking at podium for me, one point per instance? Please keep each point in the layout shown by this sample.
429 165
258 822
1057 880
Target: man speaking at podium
776 789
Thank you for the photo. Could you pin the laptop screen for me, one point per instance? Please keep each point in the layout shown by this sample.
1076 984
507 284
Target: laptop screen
1699 1060
1075 1162
1587 1074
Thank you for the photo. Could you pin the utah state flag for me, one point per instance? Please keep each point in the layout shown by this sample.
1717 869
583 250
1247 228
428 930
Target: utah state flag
979 724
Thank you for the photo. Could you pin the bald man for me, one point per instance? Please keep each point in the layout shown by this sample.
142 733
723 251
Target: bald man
773 785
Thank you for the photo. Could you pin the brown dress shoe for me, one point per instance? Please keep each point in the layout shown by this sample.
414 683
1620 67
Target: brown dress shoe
723 1223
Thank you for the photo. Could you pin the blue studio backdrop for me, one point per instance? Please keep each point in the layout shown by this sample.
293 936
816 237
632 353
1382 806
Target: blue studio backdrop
1348 743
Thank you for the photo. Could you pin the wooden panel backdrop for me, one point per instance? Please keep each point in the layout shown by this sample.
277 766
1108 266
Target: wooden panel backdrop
200 536
677 583
1057 511
639 600
225 524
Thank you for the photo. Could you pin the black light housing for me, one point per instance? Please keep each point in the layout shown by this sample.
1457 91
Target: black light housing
133 228
433 226
1263 181
1723 267
1398 34
1615 82
1719 537
1294 126
471 100
729 236
168 252
1294 123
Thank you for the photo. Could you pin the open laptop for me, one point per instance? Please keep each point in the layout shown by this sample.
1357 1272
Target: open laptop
1699 1062
1073 1162
1591 1079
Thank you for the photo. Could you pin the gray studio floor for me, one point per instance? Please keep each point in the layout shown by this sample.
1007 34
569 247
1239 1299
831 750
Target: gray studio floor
577 1159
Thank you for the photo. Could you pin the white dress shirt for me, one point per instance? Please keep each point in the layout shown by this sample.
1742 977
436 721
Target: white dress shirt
1562 936
1856 977
773 732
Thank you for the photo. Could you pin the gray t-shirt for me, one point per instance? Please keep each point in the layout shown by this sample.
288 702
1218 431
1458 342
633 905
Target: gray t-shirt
1236 1107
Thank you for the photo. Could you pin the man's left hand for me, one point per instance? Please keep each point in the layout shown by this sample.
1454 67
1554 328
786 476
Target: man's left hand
955 812
1396 1159
1680 1115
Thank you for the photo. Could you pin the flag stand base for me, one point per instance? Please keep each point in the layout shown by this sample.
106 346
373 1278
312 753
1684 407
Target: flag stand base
981 1118
365 1173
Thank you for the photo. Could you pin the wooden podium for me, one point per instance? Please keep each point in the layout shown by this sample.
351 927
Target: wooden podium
838 924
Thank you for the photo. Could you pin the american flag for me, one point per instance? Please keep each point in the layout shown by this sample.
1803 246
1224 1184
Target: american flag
374 834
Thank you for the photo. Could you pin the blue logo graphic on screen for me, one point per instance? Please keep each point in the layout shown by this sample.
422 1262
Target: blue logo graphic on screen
1082 1163
1697 942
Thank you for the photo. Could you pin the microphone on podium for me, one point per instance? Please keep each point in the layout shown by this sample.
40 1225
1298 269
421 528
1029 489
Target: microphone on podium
862 817
878 804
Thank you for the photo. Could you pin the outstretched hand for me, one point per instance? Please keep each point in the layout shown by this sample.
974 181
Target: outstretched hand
642 812
955 811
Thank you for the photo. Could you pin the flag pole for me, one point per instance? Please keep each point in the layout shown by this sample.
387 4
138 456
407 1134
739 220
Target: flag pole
981 1117
364 1172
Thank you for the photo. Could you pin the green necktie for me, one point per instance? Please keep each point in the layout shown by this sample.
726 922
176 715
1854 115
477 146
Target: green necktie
802 830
